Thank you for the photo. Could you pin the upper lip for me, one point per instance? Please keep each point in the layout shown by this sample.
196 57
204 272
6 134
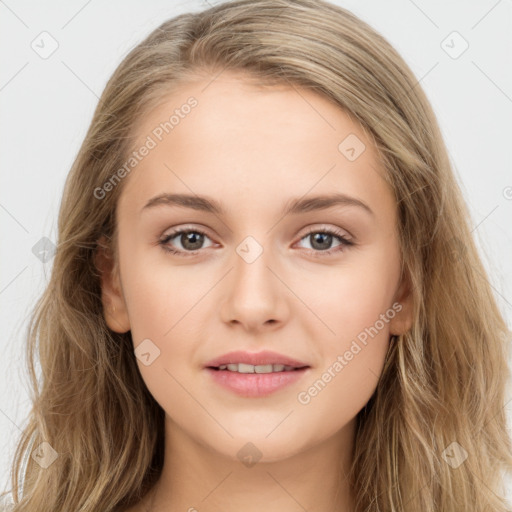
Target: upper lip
255 358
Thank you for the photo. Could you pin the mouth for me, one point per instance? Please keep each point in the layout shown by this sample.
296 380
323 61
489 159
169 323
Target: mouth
256 381
256 374
260 369
265 361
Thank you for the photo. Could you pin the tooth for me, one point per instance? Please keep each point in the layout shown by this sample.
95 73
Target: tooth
264 368
245 368
249 368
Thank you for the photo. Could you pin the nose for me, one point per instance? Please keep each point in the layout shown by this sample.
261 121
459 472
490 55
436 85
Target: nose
254 296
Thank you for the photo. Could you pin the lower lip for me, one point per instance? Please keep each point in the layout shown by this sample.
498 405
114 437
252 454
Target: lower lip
255 384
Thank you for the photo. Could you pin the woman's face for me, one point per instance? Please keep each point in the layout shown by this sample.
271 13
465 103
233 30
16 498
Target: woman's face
317 283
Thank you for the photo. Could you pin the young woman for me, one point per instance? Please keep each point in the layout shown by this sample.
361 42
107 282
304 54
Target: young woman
265 294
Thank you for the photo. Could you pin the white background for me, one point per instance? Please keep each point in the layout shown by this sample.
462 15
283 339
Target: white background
47 105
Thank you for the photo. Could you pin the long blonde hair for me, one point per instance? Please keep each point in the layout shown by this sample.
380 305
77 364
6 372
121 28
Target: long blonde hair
433 436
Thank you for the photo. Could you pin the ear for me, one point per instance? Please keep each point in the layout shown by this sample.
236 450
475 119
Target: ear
402 321
114 306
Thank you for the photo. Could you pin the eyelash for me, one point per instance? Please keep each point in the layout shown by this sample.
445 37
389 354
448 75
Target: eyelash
344 242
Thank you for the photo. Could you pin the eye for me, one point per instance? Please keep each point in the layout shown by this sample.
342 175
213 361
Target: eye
321 239
190 239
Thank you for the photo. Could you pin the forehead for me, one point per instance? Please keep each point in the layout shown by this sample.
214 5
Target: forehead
261 142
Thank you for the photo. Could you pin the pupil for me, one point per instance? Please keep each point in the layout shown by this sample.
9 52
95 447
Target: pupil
327 239
193 238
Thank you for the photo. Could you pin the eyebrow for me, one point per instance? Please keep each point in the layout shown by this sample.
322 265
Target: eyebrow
293 206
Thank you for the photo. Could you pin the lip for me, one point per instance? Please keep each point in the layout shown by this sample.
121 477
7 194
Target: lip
255 384
255 358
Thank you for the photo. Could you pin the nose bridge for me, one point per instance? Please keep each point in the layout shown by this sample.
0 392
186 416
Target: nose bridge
252 275
254 296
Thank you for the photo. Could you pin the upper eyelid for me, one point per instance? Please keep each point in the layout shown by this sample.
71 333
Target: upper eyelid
184 228
312 229
325 227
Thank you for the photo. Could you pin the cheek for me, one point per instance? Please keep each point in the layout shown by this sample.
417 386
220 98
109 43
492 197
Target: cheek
158 293
168 305
349 298
356 309
353 310
163 309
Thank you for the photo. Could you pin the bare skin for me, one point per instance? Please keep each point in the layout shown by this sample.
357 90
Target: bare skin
253 150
